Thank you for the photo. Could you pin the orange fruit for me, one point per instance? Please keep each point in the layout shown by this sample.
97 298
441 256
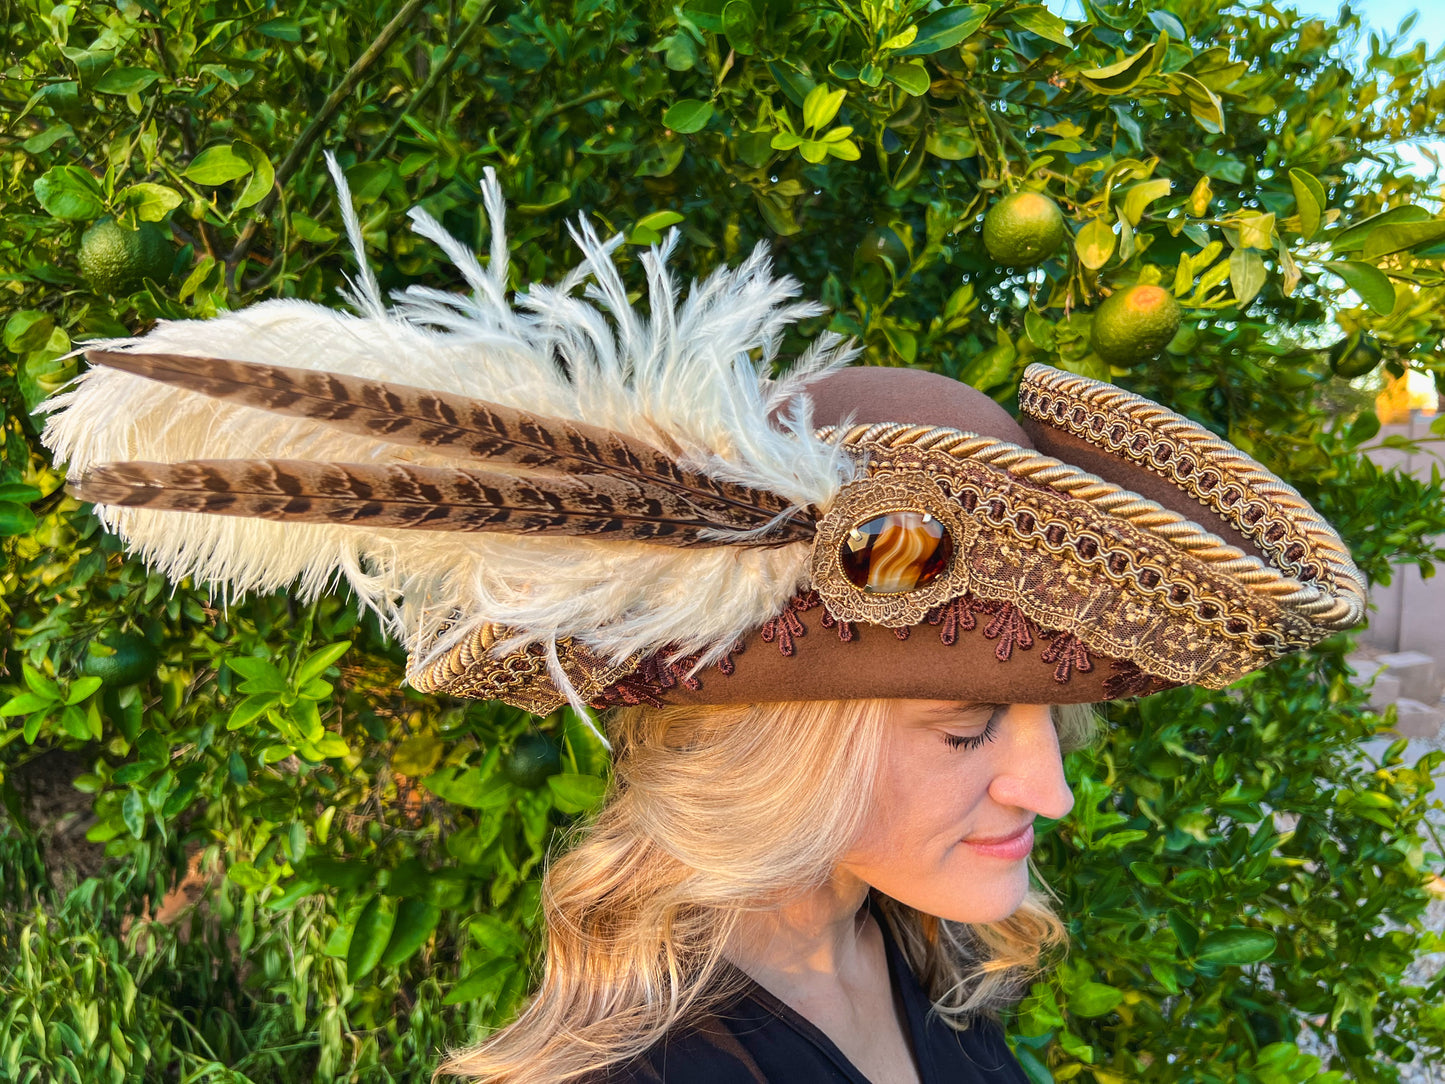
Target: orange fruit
1134 324
1023 229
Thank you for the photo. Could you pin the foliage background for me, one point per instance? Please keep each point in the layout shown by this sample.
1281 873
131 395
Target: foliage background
1233 874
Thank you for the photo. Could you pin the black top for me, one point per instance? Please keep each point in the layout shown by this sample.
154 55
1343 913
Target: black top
760 1040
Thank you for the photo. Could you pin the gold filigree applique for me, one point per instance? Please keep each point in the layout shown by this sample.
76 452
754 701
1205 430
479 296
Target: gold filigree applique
888 488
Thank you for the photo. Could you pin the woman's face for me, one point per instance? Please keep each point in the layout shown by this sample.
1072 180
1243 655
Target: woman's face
952 820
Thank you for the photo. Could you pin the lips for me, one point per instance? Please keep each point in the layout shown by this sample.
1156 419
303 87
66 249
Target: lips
1012 847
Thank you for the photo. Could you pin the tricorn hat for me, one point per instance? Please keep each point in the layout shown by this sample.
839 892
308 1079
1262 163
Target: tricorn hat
561 499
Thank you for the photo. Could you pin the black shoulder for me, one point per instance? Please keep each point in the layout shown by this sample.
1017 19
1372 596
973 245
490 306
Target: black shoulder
706 1052
987 1052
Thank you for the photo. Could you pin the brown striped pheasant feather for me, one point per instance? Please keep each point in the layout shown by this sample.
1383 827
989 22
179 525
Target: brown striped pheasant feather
455 424
657 488
404 496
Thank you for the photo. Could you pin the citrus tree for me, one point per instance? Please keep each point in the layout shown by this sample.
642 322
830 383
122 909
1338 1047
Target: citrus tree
1198 201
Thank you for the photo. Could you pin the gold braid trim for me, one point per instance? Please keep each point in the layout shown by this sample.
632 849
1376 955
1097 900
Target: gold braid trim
1268 511
520 678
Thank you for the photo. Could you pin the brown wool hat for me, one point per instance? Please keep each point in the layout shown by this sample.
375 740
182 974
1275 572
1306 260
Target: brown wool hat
1107 548
550 511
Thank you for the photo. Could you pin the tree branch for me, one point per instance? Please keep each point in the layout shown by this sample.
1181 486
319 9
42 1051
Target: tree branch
437 74
319 122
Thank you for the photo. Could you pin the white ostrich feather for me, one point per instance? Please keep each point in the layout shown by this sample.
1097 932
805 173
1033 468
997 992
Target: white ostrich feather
691 375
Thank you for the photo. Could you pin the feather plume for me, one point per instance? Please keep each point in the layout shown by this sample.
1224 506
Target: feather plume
463 427
691 376
405 497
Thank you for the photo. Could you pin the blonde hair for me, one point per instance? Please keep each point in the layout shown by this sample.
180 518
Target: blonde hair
715 812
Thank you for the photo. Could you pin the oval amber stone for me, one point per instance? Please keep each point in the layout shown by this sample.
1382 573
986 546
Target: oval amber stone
896 553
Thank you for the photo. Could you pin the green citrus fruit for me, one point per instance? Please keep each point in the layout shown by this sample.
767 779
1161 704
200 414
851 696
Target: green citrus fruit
1134 324
1355 355
1023 229
128 660
532 759
115 260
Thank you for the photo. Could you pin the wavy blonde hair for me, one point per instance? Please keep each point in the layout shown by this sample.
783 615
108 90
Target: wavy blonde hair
715 812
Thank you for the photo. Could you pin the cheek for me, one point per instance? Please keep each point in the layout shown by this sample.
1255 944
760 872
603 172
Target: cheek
925 801
911 850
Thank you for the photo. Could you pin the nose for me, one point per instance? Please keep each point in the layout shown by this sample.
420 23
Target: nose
1029 767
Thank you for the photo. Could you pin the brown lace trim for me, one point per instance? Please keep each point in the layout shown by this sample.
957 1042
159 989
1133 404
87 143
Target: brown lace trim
1007 624
656 676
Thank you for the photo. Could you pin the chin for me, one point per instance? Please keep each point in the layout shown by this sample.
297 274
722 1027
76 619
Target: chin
977 898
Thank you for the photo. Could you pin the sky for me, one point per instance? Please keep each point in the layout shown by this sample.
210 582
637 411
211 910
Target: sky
1386 15
1378 14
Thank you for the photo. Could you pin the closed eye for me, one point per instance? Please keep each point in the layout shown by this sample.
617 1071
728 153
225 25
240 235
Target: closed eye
975 741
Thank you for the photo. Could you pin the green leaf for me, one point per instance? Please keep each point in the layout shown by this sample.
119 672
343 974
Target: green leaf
16 519
39 683
947 28
1138 197
246 875
1039 330
993 367
576 793
1247 275
42 142
1309 197
81 688
467 786
1094 999
951 146
263 174
688 115
821 106
308 229
370 936
24 704
320 659
260 675
1043 22
70 193
901 40
1399 236
26 330
1253 230
125 80
217 165
481 982
648 229
18 492
132 811
282 28
1236 945
251 709
1373 285
415 921
1036 1071
1095 243
912 78
299 889
740 24
1122 76
151 202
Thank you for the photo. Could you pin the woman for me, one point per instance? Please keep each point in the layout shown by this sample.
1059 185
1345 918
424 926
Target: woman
739 850
833 607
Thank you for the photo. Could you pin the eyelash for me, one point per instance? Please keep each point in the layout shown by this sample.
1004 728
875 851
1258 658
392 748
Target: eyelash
974 741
